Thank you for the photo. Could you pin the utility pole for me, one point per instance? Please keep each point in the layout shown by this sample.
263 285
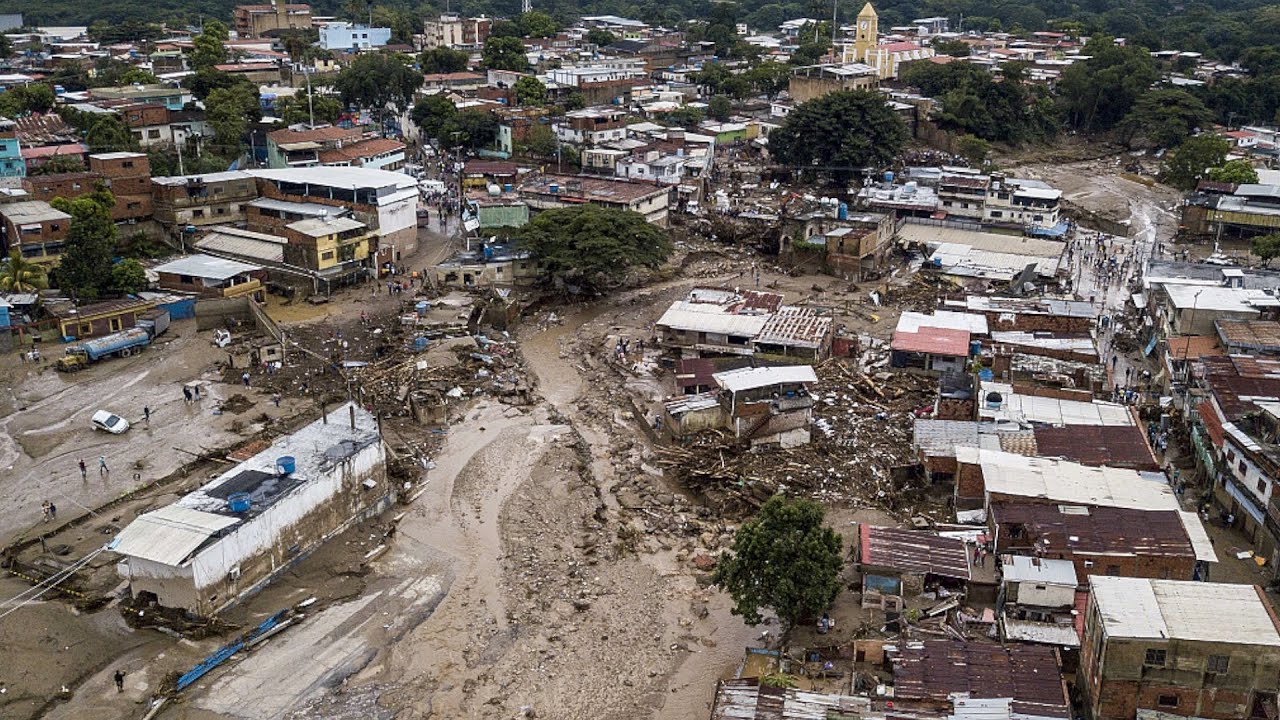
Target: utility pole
181 171
311 112
834 7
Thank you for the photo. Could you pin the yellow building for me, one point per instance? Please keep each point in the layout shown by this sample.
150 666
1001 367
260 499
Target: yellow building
885 58
333 246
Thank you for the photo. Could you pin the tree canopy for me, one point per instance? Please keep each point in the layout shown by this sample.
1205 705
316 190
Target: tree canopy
89 246
444 60
1266 247
128 276
842 131
1236 172
431 113
1192 160
1099 92
530 91
720 108
209 48
1164 118
785 560
504 53
972 101
590 249
229 112
377 80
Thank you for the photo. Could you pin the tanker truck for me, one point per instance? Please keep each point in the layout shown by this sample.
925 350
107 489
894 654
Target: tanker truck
121 344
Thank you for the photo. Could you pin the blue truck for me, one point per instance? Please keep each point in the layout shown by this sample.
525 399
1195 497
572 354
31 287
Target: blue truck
122 344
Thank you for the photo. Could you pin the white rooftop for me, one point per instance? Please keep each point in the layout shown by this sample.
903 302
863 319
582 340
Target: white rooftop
709 318
1218 298
206 266
911 322
1183 610
1027 409
1023 568
341 177
1066 482
752 378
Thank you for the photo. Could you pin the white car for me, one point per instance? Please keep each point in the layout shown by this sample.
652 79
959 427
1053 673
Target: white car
109 421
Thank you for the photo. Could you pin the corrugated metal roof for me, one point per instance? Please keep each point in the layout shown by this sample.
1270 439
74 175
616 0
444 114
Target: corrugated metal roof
913 551
1183 610
169 535
935 341
1067 482
702 317
795 327
1028 674
751 378
746 699
206 266
1023 568
243 246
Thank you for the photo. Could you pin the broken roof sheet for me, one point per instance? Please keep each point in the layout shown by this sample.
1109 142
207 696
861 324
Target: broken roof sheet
947 319
1183 610
1117 446
913 552
1026 409
709 318
795 327
1097 530
747 699
1260 335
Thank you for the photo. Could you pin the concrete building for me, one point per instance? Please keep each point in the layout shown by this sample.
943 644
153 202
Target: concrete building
768 405
1036 600
814 81
66 185
387 202
128 176
232 536
254 21
338 249
197 200
1170 649
302 147
886 58
34 228
653 166
1024 202
546 192
488 266
345 36
173 98
210 276
451 30
591 126
98 319
12 165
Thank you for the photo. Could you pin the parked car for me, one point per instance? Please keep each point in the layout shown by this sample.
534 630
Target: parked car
109 421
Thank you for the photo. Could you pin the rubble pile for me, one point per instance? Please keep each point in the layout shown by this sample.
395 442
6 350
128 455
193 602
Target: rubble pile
860 453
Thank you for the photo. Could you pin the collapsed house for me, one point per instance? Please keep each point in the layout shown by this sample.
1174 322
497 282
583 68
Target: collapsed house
233 535
768 405
712 322
896 562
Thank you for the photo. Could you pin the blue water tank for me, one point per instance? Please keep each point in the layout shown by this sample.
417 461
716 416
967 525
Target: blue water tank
285 464
555 188
488 252
421 307
842 212
507 187
888 176
239 502
420 343
975 347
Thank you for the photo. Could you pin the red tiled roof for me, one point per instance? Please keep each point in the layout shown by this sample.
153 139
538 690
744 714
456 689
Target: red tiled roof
360 150
54 150
323 134
899 47
446 77
936 341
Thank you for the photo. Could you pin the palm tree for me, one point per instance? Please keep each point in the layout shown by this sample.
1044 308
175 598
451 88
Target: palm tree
17 274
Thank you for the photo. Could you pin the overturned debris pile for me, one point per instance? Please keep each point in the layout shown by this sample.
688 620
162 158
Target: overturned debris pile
860 454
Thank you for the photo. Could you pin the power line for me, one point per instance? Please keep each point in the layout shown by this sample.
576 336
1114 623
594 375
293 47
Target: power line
52 582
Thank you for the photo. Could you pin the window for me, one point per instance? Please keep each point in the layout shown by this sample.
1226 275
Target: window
996 214
327 255
1169 701
198 212
1155 657
1242 467
1218 663
86 328
1088 563
1262 486
1113 570
54 227
116 324
185 279
153 134
129 163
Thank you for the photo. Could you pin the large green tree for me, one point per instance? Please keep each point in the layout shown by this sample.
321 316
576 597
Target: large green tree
589 249
377 81
108 133
530 91
209 48
972 101
444 60
842 132
473 129
785 560
720 107
504 53
1236 172
1099 92
1164 118
1266 247
1193 159
431 113
229 112
535 24
91 239
769 77
128 276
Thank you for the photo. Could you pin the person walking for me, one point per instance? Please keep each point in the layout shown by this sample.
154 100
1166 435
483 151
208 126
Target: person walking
119 676
84 469
102 466
44 510
186 394
146 414
53 512
244 377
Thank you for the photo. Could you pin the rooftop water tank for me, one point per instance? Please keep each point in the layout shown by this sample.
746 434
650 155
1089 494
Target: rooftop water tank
285 464
994 400
843 211
888 176
239 502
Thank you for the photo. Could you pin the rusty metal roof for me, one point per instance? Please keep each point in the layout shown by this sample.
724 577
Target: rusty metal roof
913 552
1262 335
1092 530
1123 446
795 327
746 699
1029 674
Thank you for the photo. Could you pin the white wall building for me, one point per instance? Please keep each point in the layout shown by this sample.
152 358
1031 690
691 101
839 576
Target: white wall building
345 36
233 535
